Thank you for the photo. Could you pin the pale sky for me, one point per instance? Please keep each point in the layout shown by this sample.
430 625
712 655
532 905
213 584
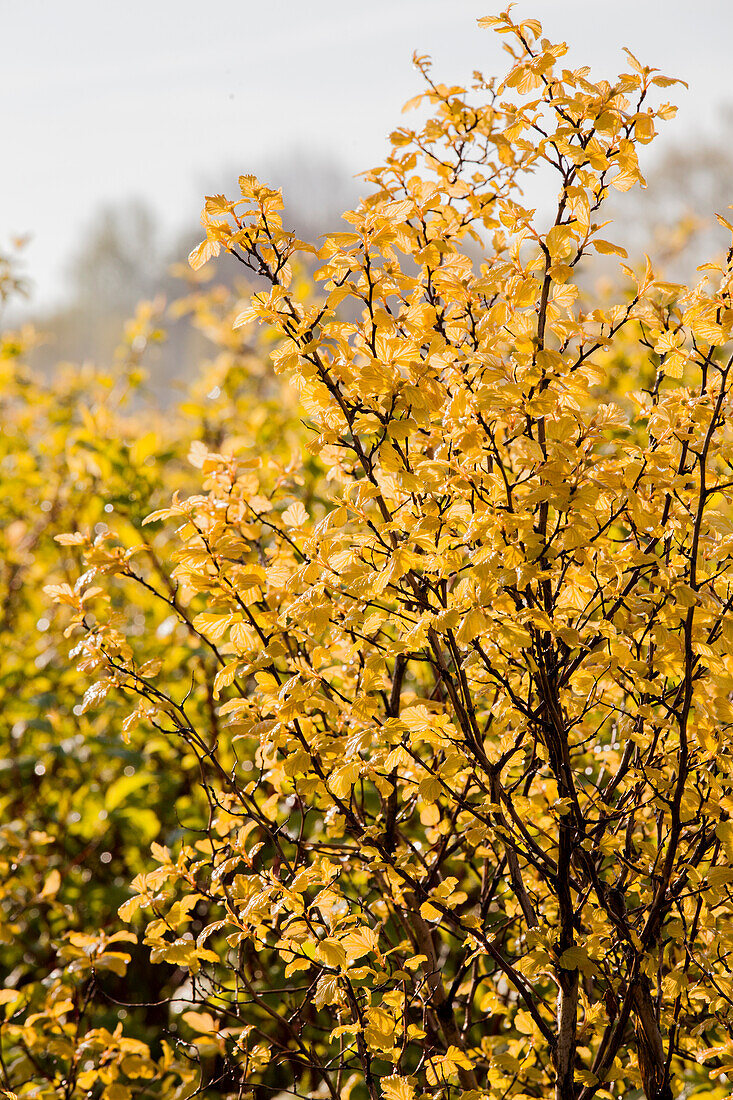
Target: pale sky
103 100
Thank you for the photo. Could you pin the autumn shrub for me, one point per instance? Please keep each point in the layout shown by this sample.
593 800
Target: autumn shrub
451 658
82 797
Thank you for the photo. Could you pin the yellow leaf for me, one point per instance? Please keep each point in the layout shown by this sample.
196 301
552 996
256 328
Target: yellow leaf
75 538
202 253
331 953
429 912
397 1088
211 625
606 248
52 885
246 317
203 1022
295 515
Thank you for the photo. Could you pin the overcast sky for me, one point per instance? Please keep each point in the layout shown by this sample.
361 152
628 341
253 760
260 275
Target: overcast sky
102 101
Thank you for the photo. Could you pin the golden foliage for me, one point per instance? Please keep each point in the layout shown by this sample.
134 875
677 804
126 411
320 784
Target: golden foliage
450 640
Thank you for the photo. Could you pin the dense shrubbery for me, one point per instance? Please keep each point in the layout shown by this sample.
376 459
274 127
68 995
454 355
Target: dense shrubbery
83 795
400 728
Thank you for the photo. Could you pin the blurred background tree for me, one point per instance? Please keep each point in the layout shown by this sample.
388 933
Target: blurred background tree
673 218
123 258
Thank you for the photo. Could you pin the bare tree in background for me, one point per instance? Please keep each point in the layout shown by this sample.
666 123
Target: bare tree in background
674 218
122 259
